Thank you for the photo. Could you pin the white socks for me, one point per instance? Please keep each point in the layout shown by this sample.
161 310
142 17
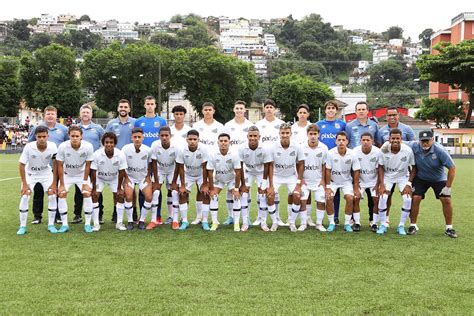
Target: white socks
120 208
24 210
62 208
183 208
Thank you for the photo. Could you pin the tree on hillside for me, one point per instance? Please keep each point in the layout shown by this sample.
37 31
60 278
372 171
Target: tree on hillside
9 87
48 77
425 37
393 32
19 30
292 90
453 65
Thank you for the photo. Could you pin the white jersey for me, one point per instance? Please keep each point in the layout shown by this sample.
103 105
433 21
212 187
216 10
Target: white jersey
74 161
165 158
314 159
269 131
208 134
38 162
284 166
396 165
299 135
192 160
108 168
224 166
137 162
368 166
178 137
253 159
341 166
238 132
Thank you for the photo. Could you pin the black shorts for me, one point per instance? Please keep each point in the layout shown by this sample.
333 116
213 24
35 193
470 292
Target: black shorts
421 186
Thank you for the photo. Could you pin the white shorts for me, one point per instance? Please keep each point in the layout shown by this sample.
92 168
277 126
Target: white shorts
250 178
100 185
318 192
401 183
75 180
221 185
45 182
141 184
363 187
291 187
191 180
347 188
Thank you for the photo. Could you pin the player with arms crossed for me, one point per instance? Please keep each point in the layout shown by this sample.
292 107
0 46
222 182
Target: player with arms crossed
35 168
396 167
74 160
285 166
341 163
191 167
107 168
315 153
139 168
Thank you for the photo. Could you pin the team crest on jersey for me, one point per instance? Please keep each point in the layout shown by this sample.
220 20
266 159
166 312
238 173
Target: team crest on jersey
296 132
129 157
278 154
319 155
263 126
115 163
48 157
360 158
218 160
337 125
33 156
198 156
158 153
145 157
214 130
101 162
58 131
336 160
373 159
277 126
68 155
130 125
228 160
173 154
324 126
142 124
348 162
434 157
246 156
404 159
186 156
293 153
306 154
232 129
246 129
156 124
259 155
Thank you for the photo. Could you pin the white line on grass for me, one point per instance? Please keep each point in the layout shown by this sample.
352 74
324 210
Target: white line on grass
6 179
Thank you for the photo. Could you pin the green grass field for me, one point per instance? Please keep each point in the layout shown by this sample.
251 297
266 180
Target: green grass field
224 272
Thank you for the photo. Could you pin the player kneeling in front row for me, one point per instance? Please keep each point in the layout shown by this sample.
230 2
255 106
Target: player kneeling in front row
340 163
315 154
107 168
396 167
138 156
35 168
74 160
285 166
224 169
191 165
368 156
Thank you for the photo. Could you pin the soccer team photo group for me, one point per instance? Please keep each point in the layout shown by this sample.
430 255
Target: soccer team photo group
332 175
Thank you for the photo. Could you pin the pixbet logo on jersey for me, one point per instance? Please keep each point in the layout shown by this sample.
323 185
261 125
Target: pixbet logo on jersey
151 135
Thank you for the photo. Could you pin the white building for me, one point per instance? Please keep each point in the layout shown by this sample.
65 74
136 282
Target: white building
46 19
65 18
398 42
178 98
358 40
380 55
348 98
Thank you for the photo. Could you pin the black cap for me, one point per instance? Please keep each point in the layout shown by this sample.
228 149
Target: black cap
425 135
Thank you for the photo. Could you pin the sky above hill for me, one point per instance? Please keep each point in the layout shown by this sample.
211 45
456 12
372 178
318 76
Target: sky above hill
377 16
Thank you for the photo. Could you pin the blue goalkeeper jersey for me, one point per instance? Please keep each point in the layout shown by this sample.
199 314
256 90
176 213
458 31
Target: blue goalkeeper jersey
328 131
151 128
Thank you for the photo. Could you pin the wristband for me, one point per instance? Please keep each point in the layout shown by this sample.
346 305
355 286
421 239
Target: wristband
298 181
264 184
85 182
328 186
409 184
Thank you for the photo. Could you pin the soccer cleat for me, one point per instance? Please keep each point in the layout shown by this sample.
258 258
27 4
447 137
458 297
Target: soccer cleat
229 221
174 225
373 228
88 228
184 226
214 226
130 226
169 220
282 223
348 228
158 220
205 226
63 229
274 227
401 230
244 228
120 226
356 228
151 225
141 225
310 222
96 227
36 220
77 219
302 228
264 227
381 230
52 229
412 230
197 221
293 228
321 228
331 228
257 222
114 218
21 230
236 227
336 221
101 220
451 233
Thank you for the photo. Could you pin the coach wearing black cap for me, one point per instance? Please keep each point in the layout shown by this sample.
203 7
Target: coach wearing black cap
431 158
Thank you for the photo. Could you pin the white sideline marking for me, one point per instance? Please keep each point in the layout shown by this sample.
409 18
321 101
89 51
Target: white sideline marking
6 179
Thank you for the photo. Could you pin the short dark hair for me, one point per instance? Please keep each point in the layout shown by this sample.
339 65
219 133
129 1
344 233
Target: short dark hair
137 130
208 104
253 128
165 129
223 135
240 102
362 102
342 133
179 108
50 108
285 126
41 129
312 128
367 134
149 97
331 102
392 108
269 101
124 101
395 131
192 132
303 106
109 135
73 128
